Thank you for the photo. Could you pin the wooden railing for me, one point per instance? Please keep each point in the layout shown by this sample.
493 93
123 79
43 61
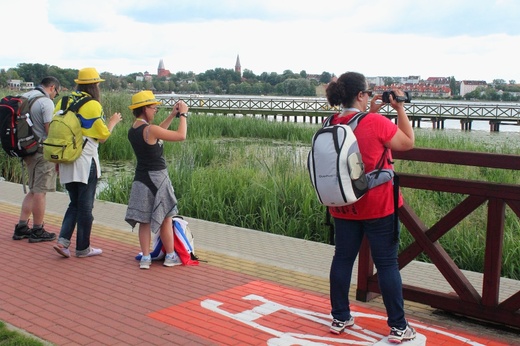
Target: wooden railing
464 298
317 108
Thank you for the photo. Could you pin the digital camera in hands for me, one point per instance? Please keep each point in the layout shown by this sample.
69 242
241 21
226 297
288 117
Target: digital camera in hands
386 97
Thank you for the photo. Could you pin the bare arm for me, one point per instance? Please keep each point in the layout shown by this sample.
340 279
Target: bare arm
161 131
112 122
404 138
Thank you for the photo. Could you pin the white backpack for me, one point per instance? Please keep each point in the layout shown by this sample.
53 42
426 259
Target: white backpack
336 167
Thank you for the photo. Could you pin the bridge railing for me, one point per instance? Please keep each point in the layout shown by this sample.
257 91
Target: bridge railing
464 299
222 104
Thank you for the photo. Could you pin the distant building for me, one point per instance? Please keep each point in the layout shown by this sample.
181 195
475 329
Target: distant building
161 71
418 89
467 86
147 76
315 77
438 80
18 84
238 68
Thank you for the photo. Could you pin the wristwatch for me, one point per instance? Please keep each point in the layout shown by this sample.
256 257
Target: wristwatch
178 115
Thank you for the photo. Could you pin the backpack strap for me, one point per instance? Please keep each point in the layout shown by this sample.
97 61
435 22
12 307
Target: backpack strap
329 222
354 121
396 208
75 106
328 120
64 103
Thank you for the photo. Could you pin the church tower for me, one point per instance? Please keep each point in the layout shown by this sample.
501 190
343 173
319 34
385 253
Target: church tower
238 68
161 71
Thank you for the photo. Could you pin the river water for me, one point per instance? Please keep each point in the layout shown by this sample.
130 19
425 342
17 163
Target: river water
507 137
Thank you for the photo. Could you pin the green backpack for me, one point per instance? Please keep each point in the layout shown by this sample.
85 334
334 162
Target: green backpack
64 142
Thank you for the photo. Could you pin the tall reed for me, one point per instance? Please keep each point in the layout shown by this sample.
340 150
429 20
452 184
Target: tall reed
250 172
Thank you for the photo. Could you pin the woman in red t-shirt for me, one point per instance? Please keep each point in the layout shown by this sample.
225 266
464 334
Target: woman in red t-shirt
373 215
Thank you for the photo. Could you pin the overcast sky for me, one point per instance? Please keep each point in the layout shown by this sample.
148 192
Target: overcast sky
467 39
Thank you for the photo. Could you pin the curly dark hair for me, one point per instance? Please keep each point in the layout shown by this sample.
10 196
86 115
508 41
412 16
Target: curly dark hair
343 91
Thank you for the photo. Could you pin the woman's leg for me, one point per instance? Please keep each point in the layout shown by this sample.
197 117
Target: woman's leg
348 236
166 234
145 238
70 218
384 250
86 196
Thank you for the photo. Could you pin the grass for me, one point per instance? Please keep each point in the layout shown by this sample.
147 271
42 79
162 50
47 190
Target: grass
10 337
250 172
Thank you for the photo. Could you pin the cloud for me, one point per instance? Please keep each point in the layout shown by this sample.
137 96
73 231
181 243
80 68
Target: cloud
465 39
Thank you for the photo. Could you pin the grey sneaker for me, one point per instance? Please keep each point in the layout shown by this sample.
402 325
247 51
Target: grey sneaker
40 234
172 261
62 250
92 252
398 335
145 262
338 326
21 232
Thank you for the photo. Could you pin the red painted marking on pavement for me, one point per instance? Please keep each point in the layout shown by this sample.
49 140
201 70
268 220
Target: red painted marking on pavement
228 317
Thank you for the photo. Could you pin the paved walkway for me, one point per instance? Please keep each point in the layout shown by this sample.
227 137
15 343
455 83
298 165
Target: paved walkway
252 288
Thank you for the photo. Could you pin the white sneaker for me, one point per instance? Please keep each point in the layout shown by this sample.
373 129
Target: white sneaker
398 335
145 262
338 326
93 252
172 261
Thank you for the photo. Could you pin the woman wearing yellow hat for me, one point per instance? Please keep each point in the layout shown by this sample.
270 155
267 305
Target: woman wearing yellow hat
80 177
152 201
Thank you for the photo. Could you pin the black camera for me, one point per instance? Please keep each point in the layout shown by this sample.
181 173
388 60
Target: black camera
406 98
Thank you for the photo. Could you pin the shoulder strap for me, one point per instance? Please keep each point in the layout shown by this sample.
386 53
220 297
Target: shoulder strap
354 121
64 103
79 103
328 120
40 90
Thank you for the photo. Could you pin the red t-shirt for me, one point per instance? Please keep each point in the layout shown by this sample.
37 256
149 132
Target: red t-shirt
372 132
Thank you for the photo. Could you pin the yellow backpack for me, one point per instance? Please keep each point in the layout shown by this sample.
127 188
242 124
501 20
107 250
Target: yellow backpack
64 142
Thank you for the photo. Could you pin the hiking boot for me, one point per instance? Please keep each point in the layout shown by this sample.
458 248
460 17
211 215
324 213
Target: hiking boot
398 335
145 262
21 232
40 234
338 326
170 261
62 250
93 252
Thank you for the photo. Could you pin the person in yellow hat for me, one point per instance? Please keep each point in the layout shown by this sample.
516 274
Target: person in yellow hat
152 201
80 177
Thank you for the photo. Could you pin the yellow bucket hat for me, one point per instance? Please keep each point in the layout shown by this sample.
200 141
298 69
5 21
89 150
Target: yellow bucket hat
88 75
143 98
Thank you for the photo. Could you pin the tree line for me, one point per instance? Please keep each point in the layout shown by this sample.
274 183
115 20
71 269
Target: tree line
227 81
216 81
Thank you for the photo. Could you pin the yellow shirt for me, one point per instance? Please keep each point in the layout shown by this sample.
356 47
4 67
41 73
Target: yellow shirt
91 116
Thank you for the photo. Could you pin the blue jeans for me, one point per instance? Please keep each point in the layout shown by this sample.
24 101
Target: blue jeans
384 249
79 212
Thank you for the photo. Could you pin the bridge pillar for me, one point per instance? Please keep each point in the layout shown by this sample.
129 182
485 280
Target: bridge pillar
494 126
437 123
465 125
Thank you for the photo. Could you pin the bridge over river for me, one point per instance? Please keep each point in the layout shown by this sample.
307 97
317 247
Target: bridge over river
314 110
